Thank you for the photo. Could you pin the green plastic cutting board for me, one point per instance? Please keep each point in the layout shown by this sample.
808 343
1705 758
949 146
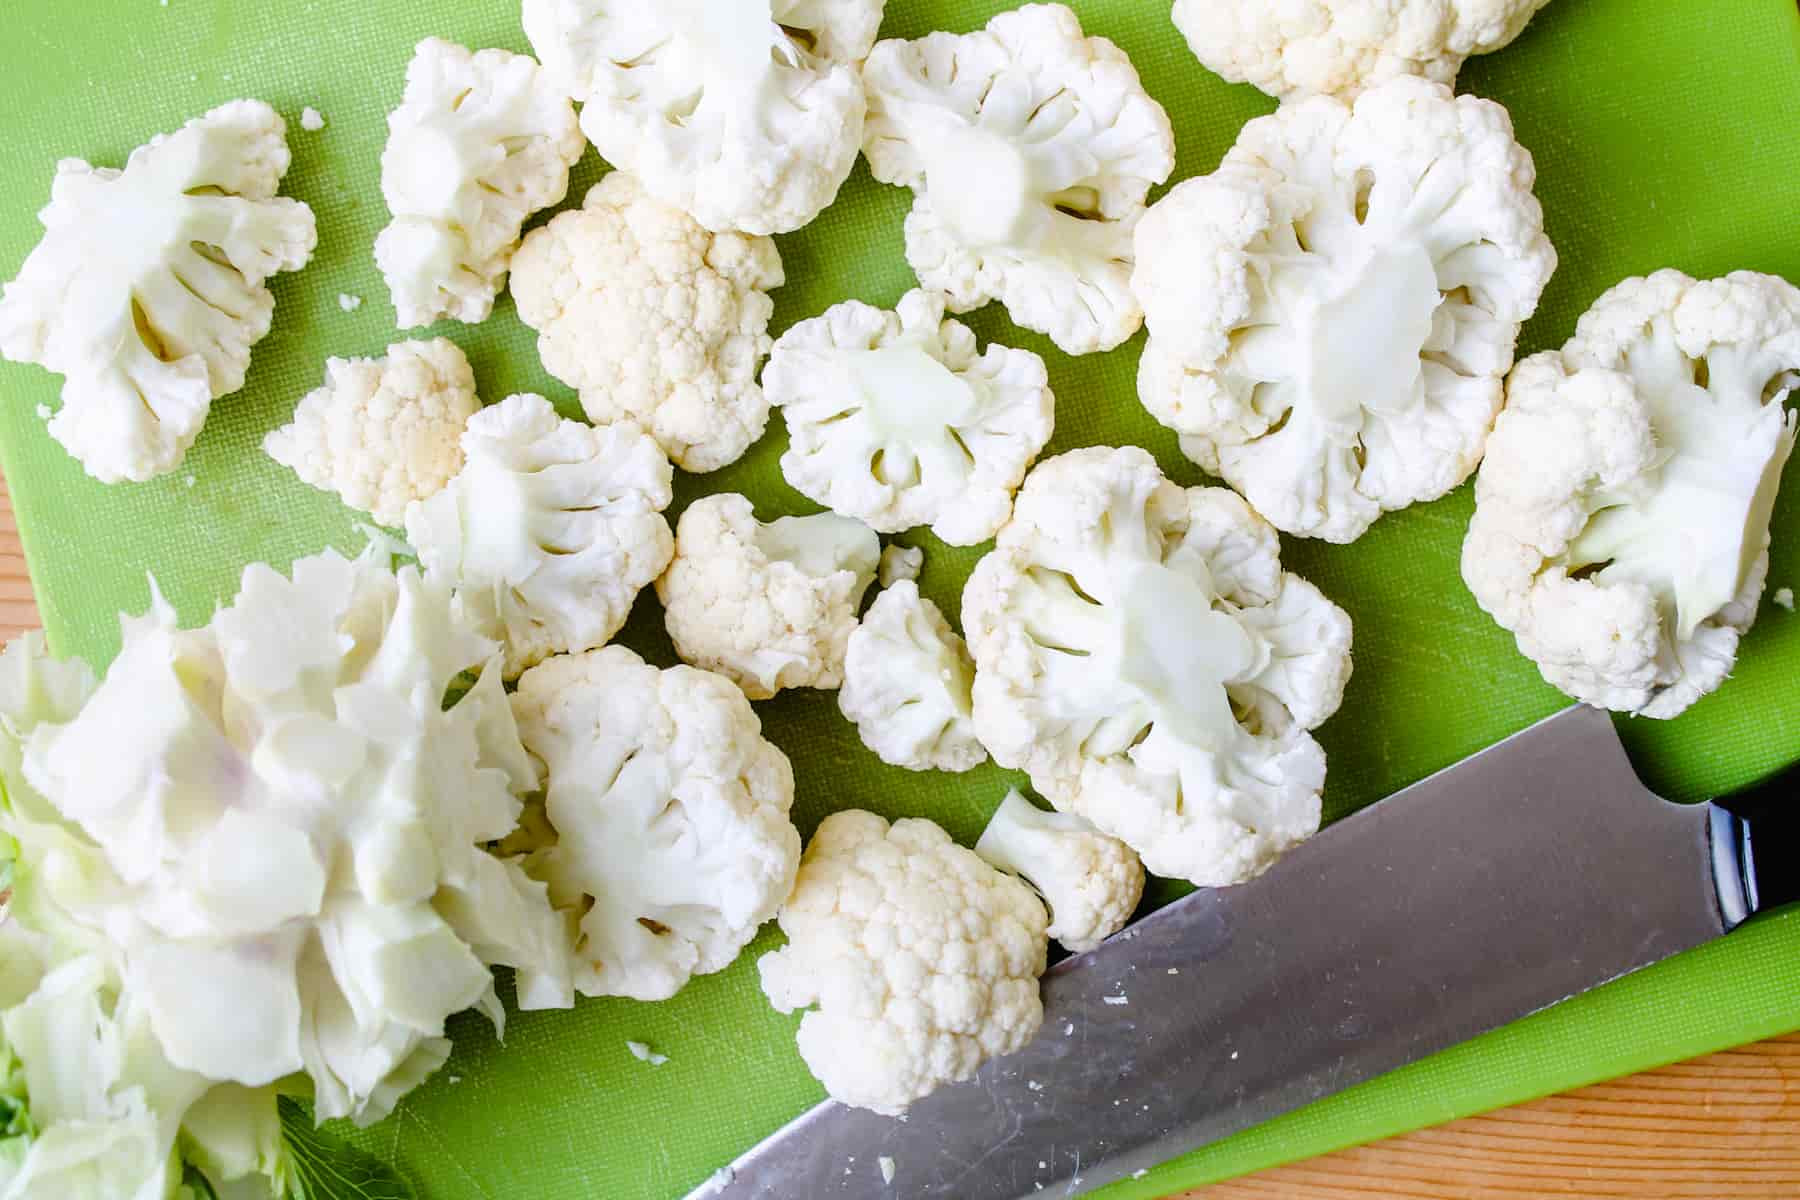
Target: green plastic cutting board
1665 135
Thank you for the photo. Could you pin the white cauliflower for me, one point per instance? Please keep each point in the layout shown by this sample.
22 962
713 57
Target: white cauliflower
923 960
1332 312
671 816
1621 523
1340 47
899 563
893 418
1030 149
767 606
1140 652
478 144
382 432
1091 882
906 685
147 291
745 113
653 319
549 531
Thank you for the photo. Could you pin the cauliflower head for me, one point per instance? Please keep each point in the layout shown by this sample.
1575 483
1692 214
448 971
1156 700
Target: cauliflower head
671 815
895 420
1091 882
745 113
653 319
478 144
382 432
1030 150
277 829
922 960
1140 652
768 606
1333 310
1341 47
147 291
549 531
1621 526
906 685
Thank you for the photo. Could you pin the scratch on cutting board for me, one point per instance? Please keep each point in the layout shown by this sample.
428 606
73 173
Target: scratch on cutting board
443 1147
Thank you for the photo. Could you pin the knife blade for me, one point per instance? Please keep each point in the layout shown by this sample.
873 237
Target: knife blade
1532 871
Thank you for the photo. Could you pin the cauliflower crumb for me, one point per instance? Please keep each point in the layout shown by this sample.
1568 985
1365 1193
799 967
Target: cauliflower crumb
190 481
1069 1029
43 412
311 119
1174 970
644 1053
349 303
1785 598
887 1168
1117 1001
1140 1172
455 1079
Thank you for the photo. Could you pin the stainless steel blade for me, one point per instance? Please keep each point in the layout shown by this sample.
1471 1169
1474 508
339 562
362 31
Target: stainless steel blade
1534 870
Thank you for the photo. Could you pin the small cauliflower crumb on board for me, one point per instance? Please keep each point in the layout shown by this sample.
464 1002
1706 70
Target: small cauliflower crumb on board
311 119
1784 597
644 1053
349 303
1117 1001
887 1168
43 412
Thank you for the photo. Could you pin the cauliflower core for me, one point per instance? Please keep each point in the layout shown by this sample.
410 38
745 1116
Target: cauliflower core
382 432
922 959
894 420
1031 150
1091 882
906 685
549 531
900 562
1621 524
653 319
745 113
147 291
1139 651
1332 312
1340 47
478 144
767 606
671 816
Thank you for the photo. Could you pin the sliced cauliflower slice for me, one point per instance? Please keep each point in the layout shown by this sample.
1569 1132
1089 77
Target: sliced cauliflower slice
922 960
1332 312
670 809
899 563
147 291
1340 47
745 113
382 432
1030 149
1621 525
906 685
653 319
478 144
1091 882
549 531
894 420
1139 651
767 606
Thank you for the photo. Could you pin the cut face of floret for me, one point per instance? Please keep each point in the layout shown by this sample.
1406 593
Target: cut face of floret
906 685
894 420
745 113
147 291
1031 149
1332 312
1140 652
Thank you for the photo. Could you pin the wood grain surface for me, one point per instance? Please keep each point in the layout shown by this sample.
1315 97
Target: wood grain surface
1723 1127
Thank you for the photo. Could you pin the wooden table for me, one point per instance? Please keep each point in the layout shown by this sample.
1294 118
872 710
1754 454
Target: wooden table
1723 1126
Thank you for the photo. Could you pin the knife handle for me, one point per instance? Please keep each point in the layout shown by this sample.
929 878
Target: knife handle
1756 845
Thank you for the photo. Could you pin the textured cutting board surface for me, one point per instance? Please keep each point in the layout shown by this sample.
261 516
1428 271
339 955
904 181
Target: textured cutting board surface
1665 135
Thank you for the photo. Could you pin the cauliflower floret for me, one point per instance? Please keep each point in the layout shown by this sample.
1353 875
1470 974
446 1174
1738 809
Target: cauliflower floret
922 959
1091 882
1332 312
1621 524
147 291
1030 150
767 606
1340 47
1139 651
478 144
549 531
894 420
382 432
906 685
745 113
900 563
670 808
653 319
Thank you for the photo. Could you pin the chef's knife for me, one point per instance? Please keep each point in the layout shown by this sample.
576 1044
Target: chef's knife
1539 868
